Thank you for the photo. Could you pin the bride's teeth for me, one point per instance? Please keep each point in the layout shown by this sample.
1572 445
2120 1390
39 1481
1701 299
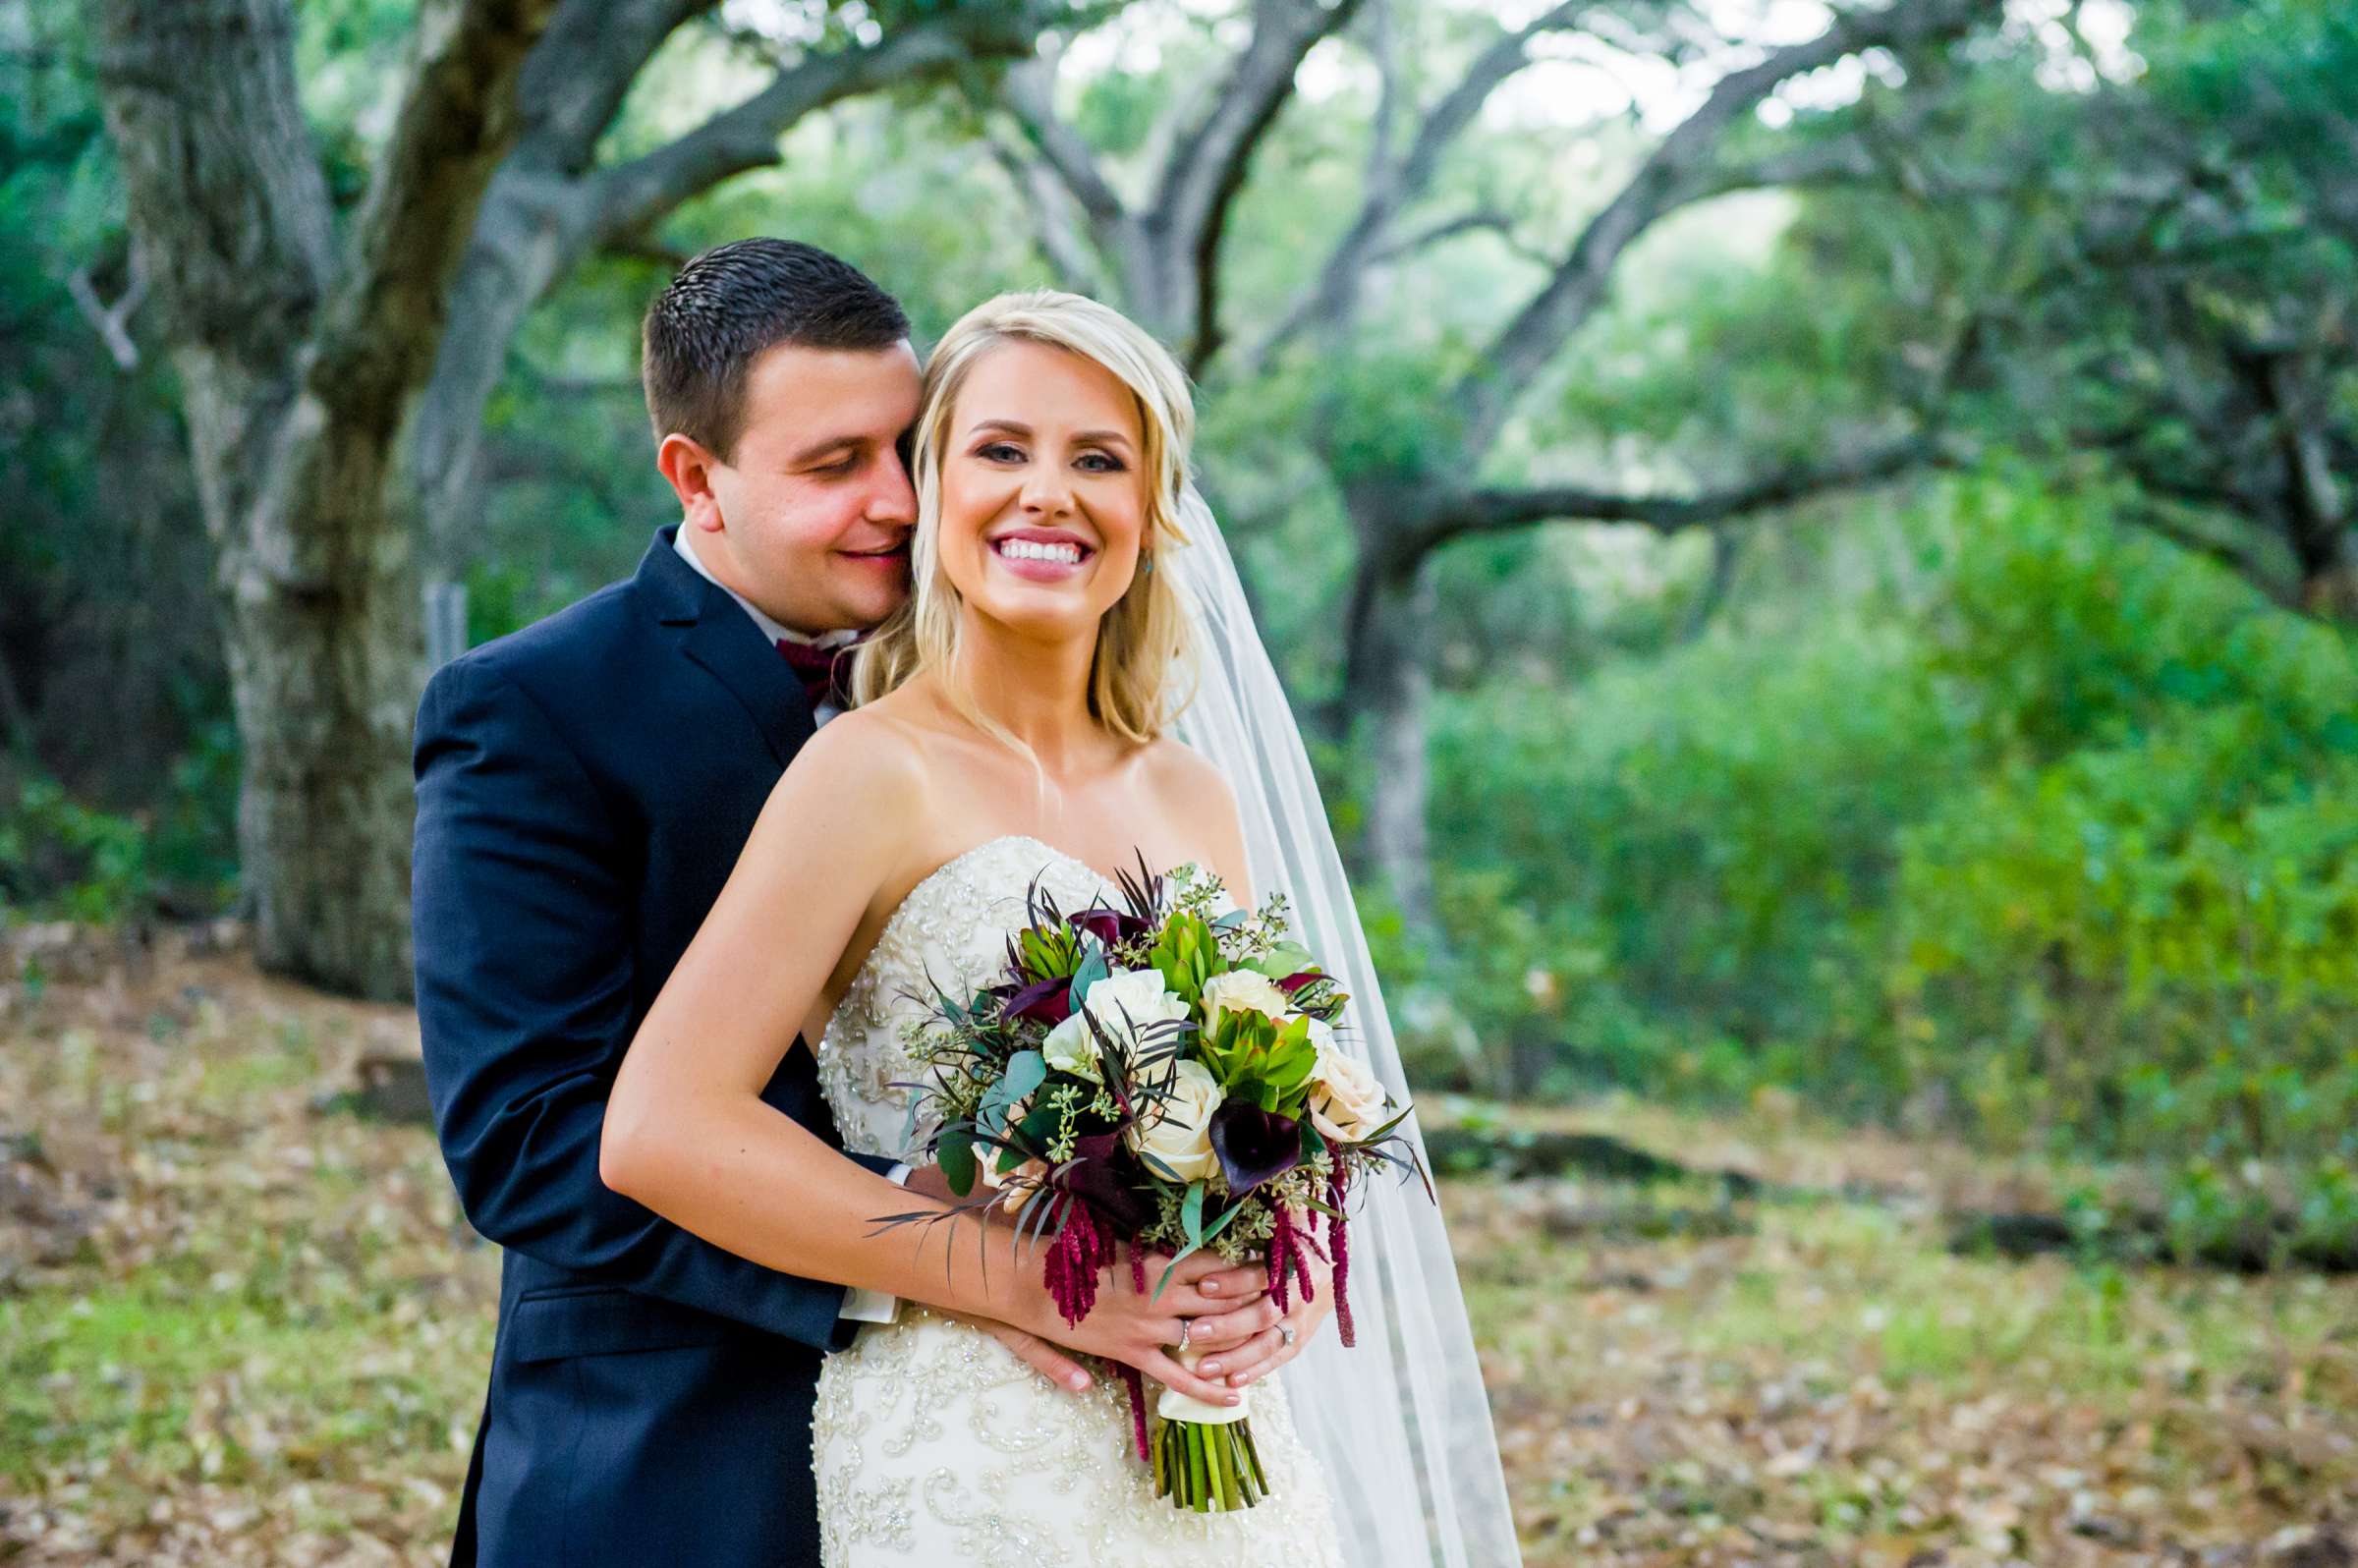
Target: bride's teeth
1030 550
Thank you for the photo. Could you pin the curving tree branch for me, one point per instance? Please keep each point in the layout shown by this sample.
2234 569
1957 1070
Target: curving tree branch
1494 508
1164 256
632 194
1029 93
1394 183
1671 177
457 119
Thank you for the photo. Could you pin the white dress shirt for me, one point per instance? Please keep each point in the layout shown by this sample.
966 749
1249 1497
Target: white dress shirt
859 1305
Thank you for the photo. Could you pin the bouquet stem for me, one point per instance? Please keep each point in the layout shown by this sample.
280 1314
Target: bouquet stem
1209 1469
1203 1457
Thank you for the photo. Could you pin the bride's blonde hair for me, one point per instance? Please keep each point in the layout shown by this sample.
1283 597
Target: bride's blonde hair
1144 641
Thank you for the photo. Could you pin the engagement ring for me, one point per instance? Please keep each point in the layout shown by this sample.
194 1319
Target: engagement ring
1286 1330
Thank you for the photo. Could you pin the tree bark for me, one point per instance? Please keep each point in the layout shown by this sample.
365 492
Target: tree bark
298 376
2317 522
1163 257
1387 691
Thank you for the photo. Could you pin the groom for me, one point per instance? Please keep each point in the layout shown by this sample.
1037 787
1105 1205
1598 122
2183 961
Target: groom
583 788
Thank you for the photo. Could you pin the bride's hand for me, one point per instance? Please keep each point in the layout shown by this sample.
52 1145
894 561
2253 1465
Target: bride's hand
1139 1330
1246 1344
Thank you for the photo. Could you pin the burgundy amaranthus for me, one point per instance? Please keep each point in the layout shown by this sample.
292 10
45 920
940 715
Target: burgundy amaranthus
1083 1247
1129 1380
1338 1243
1137 1407
1288 1267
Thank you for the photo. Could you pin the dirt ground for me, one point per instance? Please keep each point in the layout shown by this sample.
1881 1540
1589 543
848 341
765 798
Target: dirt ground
241 1323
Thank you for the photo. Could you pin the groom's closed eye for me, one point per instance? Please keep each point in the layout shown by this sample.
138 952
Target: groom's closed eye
833 460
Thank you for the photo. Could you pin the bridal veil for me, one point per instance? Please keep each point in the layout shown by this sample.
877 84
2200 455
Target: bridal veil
1400 1423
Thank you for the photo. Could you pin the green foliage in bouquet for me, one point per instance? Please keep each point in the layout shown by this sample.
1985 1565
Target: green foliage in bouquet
1253 1054
1187 956
1048 953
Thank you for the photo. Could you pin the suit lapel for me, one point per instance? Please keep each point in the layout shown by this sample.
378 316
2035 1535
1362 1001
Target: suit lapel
716 636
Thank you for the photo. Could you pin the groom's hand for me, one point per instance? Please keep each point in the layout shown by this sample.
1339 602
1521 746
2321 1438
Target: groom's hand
1034 1352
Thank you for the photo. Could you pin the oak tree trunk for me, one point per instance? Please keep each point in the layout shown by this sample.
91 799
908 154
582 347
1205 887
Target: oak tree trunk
300 353
1386 690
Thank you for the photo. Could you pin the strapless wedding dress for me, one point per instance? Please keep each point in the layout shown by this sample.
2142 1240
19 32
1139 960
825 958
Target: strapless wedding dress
933 1444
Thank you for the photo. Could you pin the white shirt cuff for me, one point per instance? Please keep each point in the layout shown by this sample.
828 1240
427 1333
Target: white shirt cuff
874 1305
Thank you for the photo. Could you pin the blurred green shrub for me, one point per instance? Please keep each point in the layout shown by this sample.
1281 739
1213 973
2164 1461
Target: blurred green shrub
2148 911
1700 848
61 857
2063 851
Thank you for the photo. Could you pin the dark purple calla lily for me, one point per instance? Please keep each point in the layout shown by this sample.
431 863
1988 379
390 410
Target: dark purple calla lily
1254 1145
1050 1001
1099 1174
1108 926
1294 982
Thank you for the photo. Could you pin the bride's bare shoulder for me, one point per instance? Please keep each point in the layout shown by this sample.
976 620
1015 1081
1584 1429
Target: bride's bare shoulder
1179 770
869 756
1200 802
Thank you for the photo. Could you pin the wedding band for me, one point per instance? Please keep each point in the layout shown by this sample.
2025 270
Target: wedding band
1187 1326
1289 1333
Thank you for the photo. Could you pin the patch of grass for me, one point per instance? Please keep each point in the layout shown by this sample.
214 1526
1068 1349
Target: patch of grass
234 1385
267 1338
1837 1385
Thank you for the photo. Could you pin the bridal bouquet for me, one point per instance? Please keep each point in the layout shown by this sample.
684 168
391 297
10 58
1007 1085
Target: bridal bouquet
1160 1077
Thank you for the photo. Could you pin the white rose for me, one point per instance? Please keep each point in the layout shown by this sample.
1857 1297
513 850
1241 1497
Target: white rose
1346 1100
1177 1133
1242 990
1138 993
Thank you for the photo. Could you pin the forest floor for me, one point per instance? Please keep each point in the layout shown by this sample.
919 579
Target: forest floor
242 1324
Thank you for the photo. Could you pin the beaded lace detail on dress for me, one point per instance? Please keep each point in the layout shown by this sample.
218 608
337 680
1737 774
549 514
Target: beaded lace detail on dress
932 1444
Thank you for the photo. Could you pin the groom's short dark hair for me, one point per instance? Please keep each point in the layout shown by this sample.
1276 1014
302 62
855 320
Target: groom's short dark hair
733 304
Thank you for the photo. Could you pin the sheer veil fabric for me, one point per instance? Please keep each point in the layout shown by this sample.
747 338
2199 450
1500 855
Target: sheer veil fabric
1400 1424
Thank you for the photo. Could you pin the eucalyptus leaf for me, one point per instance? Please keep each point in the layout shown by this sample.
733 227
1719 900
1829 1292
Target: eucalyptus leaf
1026 1071
954 1152
1094 968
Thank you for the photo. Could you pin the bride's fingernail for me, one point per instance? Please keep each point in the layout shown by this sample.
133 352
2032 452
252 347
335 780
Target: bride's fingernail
1079 1381
1236 1399
1211 1369
1212 1287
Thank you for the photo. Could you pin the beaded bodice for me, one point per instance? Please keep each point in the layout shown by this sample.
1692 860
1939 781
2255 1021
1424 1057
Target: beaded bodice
949 934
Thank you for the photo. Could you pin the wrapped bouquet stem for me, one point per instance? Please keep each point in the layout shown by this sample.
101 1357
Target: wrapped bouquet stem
1168 1076
1203 1454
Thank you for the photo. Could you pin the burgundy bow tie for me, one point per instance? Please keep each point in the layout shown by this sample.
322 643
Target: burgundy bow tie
826 672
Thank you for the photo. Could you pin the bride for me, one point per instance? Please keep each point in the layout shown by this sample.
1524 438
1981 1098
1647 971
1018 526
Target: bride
1019 721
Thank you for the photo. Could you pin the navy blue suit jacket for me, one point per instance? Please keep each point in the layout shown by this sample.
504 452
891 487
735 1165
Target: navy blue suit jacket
583 788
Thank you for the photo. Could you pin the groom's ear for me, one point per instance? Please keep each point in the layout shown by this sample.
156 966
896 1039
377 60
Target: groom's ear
688 466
